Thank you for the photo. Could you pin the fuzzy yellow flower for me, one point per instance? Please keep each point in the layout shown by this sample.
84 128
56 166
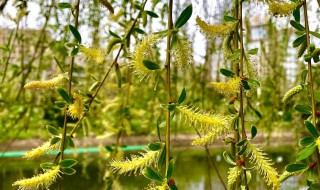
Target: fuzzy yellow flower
93 54
216 29
208 138
40 181
229 88
47 84
226 49
140 53
291 93
233 174
282 9
76 109
137 163
182 52
263 165
41 150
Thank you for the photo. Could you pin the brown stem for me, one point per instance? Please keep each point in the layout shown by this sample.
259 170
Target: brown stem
310 78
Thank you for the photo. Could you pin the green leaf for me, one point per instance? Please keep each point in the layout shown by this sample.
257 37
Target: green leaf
60 104
315 34
65 95
306 141
253 131
68 163
227 18
151 65
85 126
52 130
46 165
75 33
74 51
64 5
138 30
317 96
170 169
68 171
297 25
253 81
152 14
184 17
303 109
303 76
182 96
54 140
311 129
253 51
296 15
305 153
295 167
242 151
162 159
114 34
227 73
155 146
297 42
228 159
70 141
307 57
59 64
242 142
245 85
158 129
152 174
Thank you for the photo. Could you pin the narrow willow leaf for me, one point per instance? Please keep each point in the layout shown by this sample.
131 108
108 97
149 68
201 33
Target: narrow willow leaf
297 25
182 96
155 146
311 129
315 34
242 142
299 41
46 165
253 51
65 95
118 75
245 85
52 130
152 175
305 153
60 104
108 5
158 129
317 96
162 159
295 167
170 169
227 73
303 76
228 159
114 34
303 109
59 64
296 15
54 140
229 19
138 30
68 171
253 131
242 151
152 14
254 82
151 65
75 33
74 51
64 5
306 141
68 163
184 17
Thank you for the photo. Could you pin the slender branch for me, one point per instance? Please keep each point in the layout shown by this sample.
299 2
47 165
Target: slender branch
168 83
310 78
63 139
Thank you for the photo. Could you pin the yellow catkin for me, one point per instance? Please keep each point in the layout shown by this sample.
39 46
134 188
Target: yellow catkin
207 121
291 93
281 9
137 163
76 109
47 84
227 88
41 150
216 29
233 174
263 165
93 54
182 52
208 138
140 53
318 143
226 50
40 181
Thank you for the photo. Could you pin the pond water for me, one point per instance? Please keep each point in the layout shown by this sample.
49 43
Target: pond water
191 172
